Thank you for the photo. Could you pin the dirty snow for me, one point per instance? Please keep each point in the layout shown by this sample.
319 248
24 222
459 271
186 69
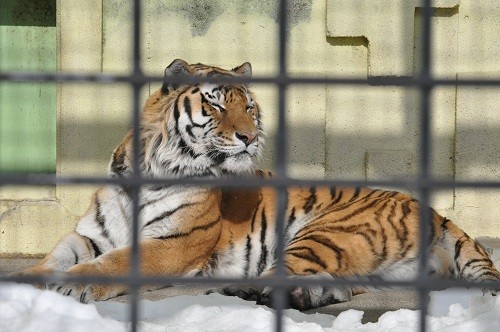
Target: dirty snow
24 308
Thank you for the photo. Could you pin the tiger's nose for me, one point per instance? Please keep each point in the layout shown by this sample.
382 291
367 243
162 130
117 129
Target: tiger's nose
246 137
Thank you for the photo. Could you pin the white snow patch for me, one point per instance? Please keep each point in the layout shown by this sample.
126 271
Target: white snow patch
25 308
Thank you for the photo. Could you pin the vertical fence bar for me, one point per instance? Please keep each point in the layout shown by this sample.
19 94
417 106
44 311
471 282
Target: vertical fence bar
135 187
282 163
425 158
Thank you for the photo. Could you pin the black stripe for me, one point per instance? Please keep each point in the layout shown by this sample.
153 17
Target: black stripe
311 271
190 131
218 157
390 220
444 223
368 196
378 219
263 247
187 109
331 211
311 200
458 249
186 149
75 253
254 216
394 194
214 260
291 218
167 214
166 87
157 199
309 256
333 193
358 211
95 247
327 243
473 261
292 271
409 246
118 164
248 249
362 230
101 221
406 212
176 118
459 244
194 229
339 197
487 273
82 296
356 194
203 110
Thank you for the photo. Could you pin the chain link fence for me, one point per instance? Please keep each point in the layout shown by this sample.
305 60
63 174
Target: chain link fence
424 183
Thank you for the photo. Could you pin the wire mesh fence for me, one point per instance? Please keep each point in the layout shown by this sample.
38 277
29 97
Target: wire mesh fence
424 183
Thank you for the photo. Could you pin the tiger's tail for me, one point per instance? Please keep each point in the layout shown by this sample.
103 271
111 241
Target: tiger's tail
469 260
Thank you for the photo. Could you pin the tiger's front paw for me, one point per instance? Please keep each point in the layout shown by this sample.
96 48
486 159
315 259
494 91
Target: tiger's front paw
34 271
86 293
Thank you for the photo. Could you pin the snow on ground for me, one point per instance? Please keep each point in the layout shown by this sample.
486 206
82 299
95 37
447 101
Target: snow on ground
24 308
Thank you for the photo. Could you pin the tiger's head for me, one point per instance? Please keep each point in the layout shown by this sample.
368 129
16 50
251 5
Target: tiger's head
201 129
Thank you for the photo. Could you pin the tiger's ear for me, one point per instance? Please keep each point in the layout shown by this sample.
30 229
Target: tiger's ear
178 68
245 70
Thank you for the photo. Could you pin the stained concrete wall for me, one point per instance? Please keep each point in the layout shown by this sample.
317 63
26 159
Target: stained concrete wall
348 132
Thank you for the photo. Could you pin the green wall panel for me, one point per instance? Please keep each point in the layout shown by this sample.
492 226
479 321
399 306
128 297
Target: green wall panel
28 109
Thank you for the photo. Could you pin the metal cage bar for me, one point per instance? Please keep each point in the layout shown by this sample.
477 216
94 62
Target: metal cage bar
135 189
281 164
425 166
424 183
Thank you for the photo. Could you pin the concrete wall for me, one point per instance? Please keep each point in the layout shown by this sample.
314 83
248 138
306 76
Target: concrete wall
351 132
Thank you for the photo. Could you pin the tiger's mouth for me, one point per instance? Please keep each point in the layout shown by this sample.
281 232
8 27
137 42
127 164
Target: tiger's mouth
218 157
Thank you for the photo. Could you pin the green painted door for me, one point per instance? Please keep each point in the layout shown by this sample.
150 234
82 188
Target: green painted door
27 110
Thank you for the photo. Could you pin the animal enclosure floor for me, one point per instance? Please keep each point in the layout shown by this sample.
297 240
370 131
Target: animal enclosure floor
373 304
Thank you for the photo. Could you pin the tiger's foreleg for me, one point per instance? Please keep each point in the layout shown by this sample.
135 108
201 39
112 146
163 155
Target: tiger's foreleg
72 249
173 257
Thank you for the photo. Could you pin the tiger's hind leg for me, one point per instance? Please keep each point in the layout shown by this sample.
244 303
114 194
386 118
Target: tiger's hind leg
298 297
314 296
470 261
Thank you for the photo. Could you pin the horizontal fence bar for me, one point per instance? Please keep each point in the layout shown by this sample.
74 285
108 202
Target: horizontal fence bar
429 183
139 78
429 282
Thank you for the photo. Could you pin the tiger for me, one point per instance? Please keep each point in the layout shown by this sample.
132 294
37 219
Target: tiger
208 131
